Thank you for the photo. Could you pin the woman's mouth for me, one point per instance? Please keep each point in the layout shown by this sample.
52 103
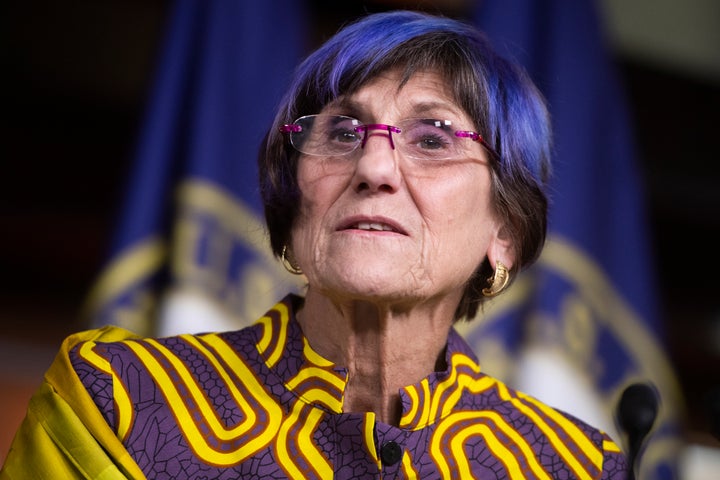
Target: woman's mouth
380 227
372 225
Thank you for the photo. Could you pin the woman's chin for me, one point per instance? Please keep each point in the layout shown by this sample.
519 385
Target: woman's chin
375 287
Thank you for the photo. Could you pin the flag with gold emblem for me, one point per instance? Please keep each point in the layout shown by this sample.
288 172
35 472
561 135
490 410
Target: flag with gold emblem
190 243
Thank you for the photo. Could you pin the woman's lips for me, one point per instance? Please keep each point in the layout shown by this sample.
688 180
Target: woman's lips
381 227
372 225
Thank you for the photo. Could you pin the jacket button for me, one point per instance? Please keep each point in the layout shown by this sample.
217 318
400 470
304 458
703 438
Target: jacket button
390 453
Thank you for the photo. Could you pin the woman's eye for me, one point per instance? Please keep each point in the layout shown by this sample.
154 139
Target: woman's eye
343 136
432 142
429 136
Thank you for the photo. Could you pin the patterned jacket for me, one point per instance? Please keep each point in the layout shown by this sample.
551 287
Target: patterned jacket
260 403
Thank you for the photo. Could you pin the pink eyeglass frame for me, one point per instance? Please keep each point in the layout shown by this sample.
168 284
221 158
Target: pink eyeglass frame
474 136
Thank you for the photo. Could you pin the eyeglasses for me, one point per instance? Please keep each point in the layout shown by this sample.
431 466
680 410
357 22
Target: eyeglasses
418 138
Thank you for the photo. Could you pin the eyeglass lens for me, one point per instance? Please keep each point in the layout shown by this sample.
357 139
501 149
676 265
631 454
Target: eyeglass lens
329 135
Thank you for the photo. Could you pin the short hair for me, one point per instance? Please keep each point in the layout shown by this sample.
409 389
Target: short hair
506 107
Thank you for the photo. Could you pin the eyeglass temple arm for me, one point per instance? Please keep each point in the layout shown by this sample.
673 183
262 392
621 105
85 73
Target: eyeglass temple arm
476 137
290 128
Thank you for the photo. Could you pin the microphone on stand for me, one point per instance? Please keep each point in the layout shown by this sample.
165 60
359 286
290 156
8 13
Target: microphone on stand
636 412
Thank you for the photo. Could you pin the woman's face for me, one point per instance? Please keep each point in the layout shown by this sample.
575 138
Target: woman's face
377 226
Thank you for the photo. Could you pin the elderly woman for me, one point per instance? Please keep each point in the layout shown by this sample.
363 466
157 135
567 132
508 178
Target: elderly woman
404 177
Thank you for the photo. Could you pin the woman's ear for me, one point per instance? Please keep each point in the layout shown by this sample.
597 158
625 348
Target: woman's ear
501 249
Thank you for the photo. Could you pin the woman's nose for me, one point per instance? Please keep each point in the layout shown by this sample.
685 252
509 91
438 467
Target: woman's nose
377 167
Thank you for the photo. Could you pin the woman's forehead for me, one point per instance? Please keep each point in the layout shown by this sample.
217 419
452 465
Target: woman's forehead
424 92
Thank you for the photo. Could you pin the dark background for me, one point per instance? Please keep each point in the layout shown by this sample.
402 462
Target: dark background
76 78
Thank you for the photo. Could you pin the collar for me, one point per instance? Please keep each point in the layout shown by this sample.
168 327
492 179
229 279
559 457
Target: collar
321 383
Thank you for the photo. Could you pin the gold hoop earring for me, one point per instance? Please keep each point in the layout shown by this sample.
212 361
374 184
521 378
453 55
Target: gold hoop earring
498 281
288 264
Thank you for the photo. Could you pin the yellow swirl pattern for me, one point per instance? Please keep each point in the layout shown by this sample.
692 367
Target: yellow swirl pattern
438 403
124 410
234 445
295 440
313 357
369 437
610 446
274 336
315 383
445 446
551 432
263 423
408 470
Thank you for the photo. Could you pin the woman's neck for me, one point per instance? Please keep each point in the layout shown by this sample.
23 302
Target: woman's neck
382 349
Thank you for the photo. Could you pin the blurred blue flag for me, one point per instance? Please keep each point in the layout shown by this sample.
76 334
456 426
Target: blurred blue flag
583 323
190 242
